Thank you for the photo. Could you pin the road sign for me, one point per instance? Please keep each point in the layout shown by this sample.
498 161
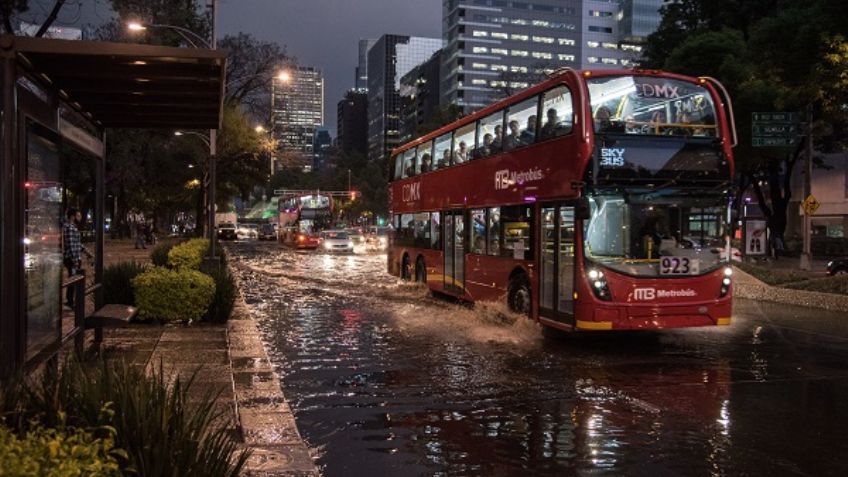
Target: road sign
811 205
774 129
778 117
774 141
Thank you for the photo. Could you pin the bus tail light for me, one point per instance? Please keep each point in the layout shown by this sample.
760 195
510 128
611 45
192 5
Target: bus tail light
598 284
725 282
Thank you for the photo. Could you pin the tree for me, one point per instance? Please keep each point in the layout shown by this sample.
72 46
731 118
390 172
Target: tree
771 55
9 8
251 65
181 13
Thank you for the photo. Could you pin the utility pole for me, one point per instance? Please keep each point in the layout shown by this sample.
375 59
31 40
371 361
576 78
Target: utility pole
806 255
213 150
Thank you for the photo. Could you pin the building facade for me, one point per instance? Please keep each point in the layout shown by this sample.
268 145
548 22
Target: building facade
321 145
352 123
391 57
297 111
829 185
495 48
361 74
420 95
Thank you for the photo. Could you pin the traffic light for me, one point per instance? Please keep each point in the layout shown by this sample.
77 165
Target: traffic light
353 195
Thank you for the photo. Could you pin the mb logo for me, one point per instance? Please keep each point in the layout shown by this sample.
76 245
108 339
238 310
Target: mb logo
644 294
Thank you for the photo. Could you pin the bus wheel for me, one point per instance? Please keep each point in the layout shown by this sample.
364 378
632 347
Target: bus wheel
518 297
404 268
420 271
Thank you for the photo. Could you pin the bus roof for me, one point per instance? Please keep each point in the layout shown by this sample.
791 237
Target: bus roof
556 78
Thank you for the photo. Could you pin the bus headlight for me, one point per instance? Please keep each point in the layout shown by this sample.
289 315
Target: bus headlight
598 283
725 282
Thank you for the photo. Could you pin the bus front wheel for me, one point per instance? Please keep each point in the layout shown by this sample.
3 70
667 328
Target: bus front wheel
518 297
420 271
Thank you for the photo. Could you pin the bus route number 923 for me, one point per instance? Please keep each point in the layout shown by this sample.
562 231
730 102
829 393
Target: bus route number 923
678 266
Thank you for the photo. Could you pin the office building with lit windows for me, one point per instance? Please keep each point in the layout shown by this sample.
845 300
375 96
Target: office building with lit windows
495 48
391 57
297 110
361 79
420 96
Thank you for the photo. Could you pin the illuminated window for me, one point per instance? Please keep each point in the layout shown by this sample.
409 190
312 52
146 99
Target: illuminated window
479 66
500 35
517 37
518 69
479 82
519 21
592 44
566 41
498 67
562 57
592 59
520 53
500 51
611 46
541 23
498 84
518 84
480 49
542 39
542 55
480 33
609 61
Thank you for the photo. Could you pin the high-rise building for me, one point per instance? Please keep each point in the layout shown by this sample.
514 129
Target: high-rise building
361 80
495 48
391 57
352 122
297 110
420 95
320 148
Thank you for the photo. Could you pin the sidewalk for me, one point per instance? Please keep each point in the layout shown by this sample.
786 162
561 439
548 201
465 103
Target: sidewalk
229 358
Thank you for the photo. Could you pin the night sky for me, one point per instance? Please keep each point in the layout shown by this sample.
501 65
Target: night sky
325 33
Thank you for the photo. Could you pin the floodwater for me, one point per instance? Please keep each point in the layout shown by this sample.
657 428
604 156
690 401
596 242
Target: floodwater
386 380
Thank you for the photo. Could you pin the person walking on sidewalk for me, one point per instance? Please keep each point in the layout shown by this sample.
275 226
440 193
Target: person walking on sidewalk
72 250
139 235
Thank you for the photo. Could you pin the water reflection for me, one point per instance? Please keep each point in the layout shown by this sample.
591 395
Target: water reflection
389 381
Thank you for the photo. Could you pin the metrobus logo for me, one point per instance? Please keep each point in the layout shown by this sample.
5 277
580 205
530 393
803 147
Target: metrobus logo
506 178
412 192
645 294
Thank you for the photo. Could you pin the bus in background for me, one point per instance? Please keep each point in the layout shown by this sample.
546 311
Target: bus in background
302 217
595 200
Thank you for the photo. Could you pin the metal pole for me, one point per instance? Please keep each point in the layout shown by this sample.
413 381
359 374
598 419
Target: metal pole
806 255
213 149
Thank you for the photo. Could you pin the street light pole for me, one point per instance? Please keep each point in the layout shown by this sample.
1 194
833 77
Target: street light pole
213 150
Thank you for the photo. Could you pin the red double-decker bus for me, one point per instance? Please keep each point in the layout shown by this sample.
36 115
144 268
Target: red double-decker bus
595 200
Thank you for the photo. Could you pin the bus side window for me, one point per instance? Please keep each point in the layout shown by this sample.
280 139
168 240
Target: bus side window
425 158
421 230
478 231
463 143
517 223
522 124
558 113
435 231
489 135
398 166
442 151
494 231
409 162
405 234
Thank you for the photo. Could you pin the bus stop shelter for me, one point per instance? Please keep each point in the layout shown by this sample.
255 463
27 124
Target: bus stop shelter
59 100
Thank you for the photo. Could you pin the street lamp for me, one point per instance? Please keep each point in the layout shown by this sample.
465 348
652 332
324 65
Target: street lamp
192 38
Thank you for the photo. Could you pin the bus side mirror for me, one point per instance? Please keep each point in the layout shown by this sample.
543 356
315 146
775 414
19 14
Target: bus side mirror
582 210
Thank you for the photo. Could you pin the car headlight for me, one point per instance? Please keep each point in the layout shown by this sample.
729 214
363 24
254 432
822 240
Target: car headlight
327 245
350 243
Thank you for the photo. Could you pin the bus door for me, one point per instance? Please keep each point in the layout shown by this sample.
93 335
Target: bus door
556 271
454 248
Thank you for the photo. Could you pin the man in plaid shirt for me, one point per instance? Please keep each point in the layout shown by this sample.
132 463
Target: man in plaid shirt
72 246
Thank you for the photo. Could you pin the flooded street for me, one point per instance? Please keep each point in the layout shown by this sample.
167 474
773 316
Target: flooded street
386 380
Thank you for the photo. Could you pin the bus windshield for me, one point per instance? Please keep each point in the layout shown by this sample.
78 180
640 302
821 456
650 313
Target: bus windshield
652 106
632 232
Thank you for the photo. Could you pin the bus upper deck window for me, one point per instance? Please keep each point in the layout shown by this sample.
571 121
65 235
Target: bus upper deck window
521 125
489 135
442 151
558 113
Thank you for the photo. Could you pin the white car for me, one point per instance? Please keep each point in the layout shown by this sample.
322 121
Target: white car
336 241
247 231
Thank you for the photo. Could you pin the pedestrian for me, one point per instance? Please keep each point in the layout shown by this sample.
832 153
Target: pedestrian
72 249
139 235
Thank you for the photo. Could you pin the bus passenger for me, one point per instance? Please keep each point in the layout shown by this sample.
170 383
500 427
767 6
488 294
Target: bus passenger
461 154
486 148
549 130
528 136
446 159
497 141
426 162
479 245
410 171
603 117
511 141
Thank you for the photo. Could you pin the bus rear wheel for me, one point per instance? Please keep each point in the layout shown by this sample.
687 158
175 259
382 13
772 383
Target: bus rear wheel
518 296
405 272
420 271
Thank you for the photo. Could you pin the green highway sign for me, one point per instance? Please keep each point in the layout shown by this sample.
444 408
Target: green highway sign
775 117
774 129
774 141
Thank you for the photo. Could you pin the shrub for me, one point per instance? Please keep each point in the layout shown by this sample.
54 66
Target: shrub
159 255
225 294
771 274
173 295
117 282
163 425
56 453
188 255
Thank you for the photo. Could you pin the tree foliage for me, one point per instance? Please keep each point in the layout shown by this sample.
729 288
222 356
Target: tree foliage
251 65
772 55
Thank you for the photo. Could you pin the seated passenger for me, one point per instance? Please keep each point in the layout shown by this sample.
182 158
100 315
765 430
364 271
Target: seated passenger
550 128
446 158
512 141
461 154
528 136
479 245
603 119
658 120
486 148
426 162
497 141
410 171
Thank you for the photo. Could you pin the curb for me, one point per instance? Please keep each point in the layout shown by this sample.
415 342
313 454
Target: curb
267 422
747 286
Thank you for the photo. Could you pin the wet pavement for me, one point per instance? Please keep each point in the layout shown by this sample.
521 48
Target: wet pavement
385 380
